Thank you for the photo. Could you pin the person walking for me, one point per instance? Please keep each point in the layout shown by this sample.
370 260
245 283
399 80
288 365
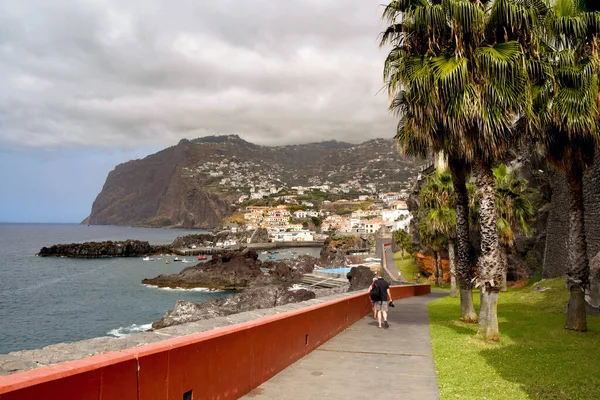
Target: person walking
381 299
373 301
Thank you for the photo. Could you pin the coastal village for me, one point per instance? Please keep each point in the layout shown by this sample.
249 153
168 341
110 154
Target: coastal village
293 219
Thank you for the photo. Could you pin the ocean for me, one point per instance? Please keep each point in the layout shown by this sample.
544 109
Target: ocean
53 300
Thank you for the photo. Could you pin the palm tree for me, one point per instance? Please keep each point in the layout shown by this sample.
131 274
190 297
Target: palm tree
431 238
514 211
570 125
402 239
457 72
421 131
437 223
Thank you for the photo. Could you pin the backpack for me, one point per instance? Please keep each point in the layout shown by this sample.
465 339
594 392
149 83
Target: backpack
375 293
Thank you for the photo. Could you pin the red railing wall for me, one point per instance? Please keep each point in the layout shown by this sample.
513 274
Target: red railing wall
223 363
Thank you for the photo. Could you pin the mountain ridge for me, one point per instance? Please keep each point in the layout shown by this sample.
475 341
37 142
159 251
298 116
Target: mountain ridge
194 183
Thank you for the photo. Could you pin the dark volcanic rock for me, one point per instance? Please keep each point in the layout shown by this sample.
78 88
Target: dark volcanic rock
227 271
333 254
203 239
260 235
249 299
128 248
360 278
236 270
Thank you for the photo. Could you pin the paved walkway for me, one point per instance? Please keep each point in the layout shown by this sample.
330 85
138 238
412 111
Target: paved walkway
365 362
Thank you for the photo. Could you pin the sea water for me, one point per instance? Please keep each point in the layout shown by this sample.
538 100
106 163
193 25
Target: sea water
46 300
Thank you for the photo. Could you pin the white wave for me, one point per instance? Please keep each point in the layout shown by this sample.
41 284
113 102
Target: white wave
298 286
128 330
178 289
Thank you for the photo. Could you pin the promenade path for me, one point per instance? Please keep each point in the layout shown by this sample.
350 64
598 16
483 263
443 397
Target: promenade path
365 362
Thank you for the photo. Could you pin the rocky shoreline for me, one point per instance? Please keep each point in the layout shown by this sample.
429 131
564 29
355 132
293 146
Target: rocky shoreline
261 284
236 270
24 360
127 248
260 287
138 248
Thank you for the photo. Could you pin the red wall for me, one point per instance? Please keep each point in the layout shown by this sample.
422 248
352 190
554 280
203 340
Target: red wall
223 363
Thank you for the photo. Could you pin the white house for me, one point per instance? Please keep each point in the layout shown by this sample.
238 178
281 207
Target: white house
390 215
403 224
297 236
400 205
300 214
373 225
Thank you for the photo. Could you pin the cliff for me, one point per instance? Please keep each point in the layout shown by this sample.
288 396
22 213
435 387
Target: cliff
154 192
195 183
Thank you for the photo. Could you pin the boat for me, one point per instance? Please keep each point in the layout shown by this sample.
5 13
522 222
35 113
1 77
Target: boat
202 258
167 262
176 259
264 252
147 259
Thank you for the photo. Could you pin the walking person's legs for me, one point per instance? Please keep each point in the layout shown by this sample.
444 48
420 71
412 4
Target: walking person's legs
385 323
382 311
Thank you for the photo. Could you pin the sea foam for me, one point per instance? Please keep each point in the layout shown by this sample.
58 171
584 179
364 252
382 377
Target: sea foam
128 330
178 289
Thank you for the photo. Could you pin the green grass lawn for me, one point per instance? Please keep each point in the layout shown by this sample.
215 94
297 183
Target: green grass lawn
407 266
535 358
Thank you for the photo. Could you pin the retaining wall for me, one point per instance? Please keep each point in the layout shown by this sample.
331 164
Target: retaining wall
224 363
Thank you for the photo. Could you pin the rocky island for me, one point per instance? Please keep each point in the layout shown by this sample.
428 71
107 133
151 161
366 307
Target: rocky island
138 248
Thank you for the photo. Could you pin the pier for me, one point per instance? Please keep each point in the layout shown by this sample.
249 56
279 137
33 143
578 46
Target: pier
253 246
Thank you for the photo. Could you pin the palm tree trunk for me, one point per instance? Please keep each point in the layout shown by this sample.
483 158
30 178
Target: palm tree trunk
489 268
578 273
435 268
464 269
504 261
440 270
452 268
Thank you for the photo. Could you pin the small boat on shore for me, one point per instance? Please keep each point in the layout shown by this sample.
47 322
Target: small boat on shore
202 258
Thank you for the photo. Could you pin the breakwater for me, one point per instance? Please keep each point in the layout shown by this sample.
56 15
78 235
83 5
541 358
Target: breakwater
127 248
137 248
187 251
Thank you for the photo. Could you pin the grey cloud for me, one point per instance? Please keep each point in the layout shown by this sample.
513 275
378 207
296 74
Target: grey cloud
110 73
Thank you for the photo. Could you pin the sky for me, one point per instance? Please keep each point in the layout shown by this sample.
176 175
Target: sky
89 84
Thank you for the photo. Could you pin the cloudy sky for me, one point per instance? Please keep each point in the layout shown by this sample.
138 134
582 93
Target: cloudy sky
91 83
